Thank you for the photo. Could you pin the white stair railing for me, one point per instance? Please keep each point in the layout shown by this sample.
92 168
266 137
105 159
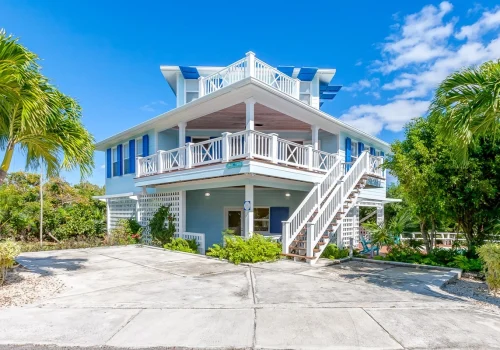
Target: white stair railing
172 159
334 203
278 80
227 76
206 152
147 165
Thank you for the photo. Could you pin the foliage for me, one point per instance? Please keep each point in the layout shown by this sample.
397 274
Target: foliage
70 212
490 255
468 105
37 118
183 245
162 226
333 252
9 250
71 243
255 249
127 231
387 234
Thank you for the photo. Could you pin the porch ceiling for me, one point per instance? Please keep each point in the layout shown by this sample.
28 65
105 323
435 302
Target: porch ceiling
233 118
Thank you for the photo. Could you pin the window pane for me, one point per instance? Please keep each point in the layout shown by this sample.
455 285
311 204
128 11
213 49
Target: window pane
126 166
305 87
261 213
261 225
305 98
138 147
234 221
115 168
126 153
191 96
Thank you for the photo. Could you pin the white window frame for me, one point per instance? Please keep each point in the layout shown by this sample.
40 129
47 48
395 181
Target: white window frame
126 156
114 159
377 153
268 221
226 218
191 90
354 150
138 141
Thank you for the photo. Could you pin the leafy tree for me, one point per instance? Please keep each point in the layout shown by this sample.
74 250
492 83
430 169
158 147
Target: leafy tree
161 226
38 119
468 105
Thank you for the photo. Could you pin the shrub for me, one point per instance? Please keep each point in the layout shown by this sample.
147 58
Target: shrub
490 255
8 252
162 226
466 264
333 252
183 245
255 249
128 231
71 243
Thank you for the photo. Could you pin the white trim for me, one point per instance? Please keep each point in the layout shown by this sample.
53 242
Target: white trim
226 219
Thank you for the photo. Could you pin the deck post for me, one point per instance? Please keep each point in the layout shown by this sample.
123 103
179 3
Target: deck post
296 92
315 136
310 156
309 246
159 162
274 148
189 155
249 200
285 233
225 147
250 64
201 90
182 133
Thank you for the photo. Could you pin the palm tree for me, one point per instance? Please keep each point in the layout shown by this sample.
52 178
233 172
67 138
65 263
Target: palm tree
467 103
38 119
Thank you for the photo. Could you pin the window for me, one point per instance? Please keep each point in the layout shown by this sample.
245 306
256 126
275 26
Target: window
192 92
114 159
305 92
377 153
138 147
126 158
261 220
354 150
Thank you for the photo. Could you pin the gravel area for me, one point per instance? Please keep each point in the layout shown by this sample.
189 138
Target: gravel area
474 291
24 287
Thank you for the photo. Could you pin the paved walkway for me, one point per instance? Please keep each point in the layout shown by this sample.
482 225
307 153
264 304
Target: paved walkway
142 297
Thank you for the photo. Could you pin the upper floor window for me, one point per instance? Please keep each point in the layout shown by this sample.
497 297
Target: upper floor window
192 90
378 153
138 147
354 150
126 158
114 160
305 92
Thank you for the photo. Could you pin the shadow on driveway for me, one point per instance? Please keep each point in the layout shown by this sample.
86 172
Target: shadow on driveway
48 265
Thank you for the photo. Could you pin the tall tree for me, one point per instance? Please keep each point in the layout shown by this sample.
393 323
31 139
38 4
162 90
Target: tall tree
38 119
468 105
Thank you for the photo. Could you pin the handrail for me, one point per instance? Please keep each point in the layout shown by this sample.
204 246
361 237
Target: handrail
225 77
273 77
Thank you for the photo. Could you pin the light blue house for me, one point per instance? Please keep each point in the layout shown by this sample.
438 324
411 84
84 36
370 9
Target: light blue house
248 148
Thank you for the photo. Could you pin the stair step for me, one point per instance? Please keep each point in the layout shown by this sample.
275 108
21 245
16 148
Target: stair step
298 256
315 250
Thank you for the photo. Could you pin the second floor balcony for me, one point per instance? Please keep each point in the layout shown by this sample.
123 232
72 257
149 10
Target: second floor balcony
231 147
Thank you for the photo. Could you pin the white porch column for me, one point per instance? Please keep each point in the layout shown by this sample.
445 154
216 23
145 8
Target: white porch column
250 64
380 214
250 114
248 210
182 211
182 134
315 136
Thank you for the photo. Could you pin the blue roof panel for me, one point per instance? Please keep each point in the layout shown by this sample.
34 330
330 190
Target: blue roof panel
189 72
288 70
307 73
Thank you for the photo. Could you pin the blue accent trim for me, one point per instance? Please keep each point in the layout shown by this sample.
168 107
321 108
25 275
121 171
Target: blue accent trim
382 153
189 72
188 139
307 73
348 155
277 215
131 156
119 152
108 163
288 70
145 145
361 147
372 151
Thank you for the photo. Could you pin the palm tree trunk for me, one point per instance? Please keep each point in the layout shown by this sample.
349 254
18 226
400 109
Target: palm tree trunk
7 159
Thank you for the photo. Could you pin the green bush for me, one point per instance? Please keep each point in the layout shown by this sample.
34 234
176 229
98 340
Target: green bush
71 243
127 231
333 252
466 264
490 255
238 250
162 226
183 245
9 250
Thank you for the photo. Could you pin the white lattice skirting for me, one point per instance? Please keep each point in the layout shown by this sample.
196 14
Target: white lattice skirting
120 208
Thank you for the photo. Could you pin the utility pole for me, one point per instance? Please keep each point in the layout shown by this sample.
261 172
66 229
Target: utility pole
41 207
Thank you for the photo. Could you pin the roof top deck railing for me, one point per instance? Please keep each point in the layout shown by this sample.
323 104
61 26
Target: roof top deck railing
249 66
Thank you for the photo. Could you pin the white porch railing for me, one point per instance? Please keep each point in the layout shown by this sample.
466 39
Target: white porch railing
248 144
245 68
198 237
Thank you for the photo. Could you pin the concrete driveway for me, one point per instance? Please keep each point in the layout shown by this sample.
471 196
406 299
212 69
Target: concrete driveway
138 297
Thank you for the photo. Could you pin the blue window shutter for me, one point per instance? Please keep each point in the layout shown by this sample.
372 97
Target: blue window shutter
131 156
372 151
188 139
381 153
361 147
145 145
278 214
119 151
348 155
108 163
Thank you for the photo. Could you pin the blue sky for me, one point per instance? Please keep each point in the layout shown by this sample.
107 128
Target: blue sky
389 55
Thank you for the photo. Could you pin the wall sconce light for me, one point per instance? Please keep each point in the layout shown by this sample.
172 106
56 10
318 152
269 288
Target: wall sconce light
287 194
207 194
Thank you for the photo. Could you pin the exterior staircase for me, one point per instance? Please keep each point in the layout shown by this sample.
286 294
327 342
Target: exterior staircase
317 219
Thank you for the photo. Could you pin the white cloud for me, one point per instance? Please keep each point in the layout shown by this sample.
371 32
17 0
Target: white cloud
358 86
421 52
487 22
391 116
153 106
